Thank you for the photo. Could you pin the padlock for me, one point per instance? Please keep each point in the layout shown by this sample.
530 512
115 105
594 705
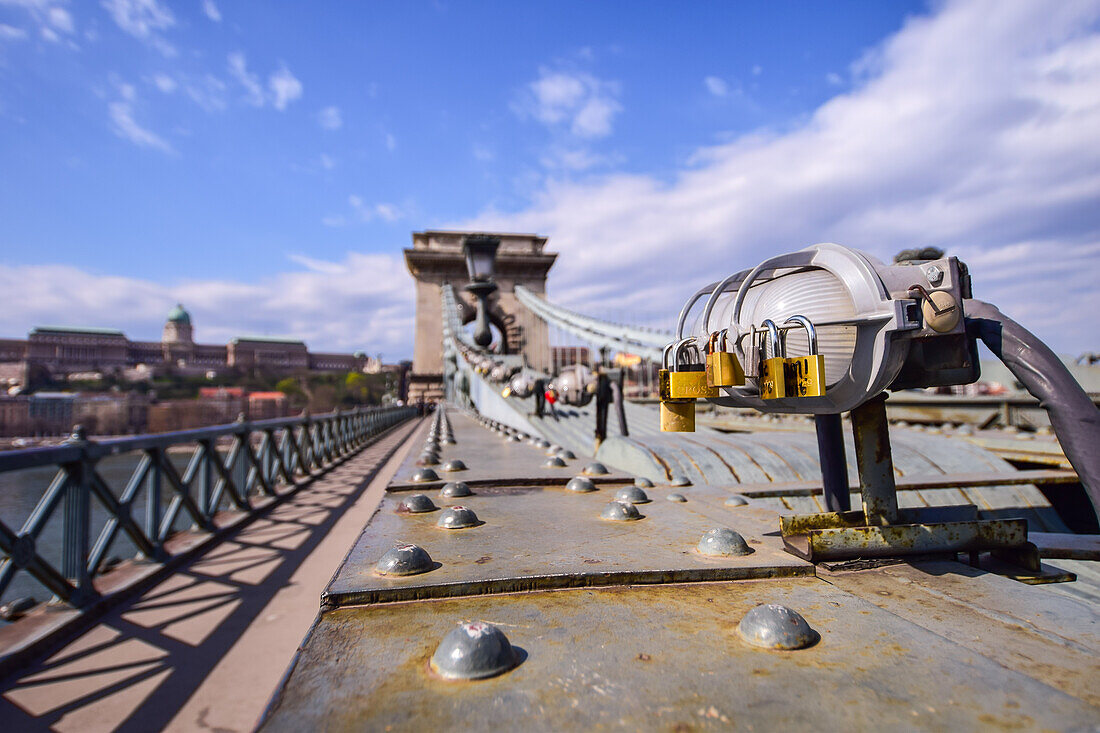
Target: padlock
805 374
773 370
723 368
688 381
678 388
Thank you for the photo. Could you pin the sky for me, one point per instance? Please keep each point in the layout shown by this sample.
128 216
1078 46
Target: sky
265 164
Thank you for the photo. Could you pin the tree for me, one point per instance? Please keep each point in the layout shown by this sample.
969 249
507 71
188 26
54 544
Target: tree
357 385
288 386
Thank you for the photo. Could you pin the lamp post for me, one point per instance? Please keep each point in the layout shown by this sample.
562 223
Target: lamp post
481 253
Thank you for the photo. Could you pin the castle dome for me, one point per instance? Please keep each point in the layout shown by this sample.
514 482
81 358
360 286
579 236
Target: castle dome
179 315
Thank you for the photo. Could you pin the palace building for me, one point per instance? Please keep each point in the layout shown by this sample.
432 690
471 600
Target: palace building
64 351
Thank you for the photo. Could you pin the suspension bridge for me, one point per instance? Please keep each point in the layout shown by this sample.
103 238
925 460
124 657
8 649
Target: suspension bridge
197 588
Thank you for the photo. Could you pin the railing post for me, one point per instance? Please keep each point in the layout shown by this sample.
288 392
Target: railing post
76 511
204 477
154 488
876 465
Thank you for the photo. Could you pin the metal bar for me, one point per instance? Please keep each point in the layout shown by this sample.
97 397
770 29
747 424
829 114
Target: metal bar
834 463
76 513
908 539
152 500
875 463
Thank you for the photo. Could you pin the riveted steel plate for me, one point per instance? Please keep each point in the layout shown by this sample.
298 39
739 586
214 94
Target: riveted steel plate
549 537
669 658
489 459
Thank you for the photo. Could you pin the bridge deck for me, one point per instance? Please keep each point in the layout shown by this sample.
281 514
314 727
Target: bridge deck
206 647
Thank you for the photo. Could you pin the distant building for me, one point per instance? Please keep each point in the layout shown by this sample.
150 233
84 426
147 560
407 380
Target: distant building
61 351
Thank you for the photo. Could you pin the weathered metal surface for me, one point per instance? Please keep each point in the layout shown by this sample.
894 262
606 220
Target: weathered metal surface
491 458
549 537
1067 546
908 539
670 658
875 462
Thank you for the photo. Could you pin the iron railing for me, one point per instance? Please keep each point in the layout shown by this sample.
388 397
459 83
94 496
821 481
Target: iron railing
232 467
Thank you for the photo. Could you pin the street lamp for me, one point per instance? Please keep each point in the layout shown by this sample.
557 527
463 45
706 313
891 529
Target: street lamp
481 253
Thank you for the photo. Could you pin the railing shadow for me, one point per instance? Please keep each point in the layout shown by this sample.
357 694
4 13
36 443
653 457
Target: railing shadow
144 661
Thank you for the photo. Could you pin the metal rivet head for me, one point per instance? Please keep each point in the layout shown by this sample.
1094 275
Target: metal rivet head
618 511
554 462
566 455
404 560
474 651
596 469
424 475
553 450
723 542
454 465
631 495
643 482
581 485
427 459
544 444
416 504
457 517
736 500
676 497
450 440
455 489
776 627
679 481
513 438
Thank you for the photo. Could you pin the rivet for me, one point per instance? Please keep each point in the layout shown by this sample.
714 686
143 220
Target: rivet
581 485
566 455
596 469
723 542
424 475
416 504
643 482
473 651
544 444
457 517
513 438
404 560
618 511
455 489
631 495
676 497
427 459
776 627
679 481
554 462
454 465
553 450
736 500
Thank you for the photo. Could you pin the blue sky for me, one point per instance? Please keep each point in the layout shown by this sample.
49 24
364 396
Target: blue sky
265 164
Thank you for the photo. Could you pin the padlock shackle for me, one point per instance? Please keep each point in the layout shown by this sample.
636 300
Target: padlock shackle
680 346
779 348
810 331
665 353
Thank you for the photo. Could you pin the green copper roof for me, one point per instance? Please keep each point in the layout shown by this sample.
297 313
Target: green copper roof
179 315
77 329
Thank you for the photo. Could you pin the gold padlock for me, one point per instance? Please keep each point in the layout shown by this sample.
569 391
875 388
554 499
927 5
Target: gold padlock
678 389
773 370
723 368
805 374
677 417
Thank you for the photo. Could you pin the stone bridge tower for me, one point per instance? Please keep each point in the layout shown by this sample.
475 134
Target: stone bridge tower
437 258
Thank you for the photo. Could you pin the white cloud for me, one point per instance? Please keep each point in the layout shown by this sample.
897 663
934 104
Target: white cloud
11 32
363 301
834 79
327 162
207 92
238 69
121 114
716 86
211 11
391 142
330 118
757 70
61 19
367 212
165 83
285 88
980 137
334 221
143 19
575 102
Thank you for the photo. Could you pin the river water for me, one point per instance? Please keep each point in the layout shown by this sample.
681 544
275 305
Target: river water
20 492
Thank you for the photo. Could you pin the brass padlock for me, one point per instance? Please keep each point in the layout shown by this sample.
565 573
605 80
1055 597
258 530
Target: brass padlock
678 388
678 417
805 374
773 370
723 368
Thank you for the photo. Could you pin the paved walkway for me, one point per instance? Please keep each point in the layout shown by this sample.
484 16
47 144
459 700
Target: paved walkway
205 649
